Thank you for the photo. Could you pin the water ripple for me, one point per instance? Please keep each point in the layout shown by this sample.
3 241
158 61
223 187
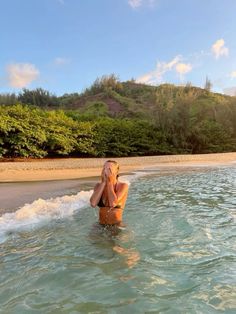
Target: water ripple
176 255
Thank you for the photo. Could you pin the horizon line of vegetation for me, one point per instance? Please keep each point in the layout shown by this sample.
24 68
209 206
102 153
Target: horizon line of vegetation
114 119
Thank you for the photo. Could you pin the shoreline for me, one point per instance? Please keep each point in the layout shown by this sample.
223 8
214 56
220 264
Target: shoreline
76 168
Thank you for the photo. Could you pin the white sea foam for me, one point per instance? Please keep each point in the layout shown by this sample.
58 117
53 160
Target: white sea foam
42 211
129 178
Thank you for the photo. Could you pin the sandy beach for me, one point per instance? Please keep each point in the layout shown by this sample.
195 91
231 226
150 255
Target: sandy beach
74 168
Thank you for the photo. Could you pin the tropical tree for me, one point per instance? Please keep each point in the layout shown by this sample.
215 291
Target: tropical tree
38 97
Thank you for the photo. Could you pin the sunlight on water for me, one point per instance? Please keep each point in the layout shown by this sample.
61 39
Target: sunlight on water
177 253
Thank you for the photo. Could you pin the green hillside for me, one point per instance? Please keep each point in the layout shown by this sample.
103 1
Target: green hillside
113 118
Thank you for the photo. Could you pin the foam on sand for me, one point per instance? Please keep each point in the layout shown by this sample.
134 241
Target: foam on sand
41 211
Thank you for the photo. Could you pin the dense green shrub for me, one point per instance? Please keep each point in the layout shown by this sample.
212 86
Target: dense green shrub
117 119
26 131
126 137
21 131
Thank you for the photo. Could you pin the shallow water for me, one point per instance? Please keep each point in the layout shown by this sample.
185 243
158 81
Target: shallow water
176 255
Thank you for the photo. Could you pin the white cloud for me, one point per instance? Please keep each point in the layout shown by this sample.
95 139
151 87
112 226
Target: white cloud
219 49
61 1
183 68
61 61
233 74
138 3
146 78
156 76
135 3
231 91
21 74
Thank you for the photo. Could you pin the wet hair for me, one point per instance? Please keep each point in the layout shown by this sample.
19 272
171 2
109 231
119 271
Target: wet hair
116 163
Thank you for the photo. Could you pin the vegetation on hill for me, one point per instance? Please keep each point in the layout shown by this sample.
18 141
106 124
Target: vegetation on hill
113 118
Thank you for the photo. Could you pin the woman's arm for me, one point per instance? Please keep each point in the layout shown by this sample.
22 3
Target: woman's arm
97 193
98 190
114 198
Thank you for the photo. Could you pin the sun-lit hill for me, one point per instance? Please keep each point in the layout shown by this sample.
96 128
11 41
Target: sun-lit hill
130 99
109 97
113 118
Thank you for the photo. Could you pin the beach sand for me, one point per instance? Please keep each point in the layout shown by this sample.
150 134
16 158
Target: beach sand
75 168
23 182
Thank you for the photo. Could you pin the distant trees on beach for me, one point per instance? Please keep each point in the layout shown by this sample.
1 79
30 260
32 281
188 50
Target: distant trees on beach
117 119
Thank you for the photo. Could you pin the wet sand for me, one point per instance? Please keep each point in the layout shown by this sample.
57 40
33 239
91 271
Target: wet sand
16 194
24 182
74 168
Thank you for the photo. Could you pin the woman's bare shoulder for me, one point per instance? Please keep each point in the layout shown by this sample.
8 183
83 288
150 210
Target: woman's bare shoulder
123 185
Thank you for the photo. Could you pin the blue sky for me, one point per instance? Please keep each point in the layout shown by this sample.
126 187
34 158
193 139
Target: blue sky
64 45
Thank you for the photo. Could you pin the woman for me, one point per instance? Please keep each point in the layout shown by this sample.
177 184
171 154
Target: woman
110 195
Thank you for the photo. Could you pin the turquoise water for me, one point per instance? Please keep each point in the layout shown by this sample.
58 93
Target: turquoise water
176 255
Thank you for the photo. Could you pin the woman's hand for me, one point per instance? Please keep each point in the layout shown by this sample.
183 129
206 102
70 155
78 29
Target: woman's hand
111 174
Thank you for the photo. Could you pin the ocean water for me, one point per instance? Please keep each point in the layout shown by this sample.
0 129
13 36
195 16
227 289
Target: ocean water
177 253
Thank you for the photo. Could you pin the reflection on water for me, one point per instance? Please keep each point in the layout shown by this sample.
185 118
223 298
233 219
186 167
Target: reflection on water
177 253
115 238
